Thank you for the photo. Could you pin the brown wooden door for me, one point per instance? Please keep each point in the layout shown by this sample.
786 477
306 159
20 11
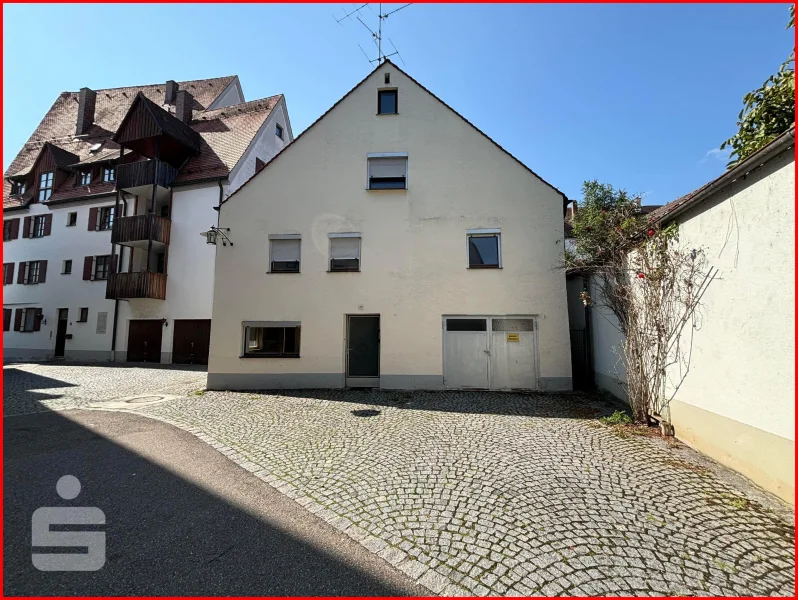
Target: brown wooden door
192 339
144 340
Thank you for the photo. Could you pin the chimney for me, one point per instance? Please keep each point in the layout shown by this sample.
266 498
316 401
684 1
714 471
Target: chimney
171 90
570 211
183 106
86 100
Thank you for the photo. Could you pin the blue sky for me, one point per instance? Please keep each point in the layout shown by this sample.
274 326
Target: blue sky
634 95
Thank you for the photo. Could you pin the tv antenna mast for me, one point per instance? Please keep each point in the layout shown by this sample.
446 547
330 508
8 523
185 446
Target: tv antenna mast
376 36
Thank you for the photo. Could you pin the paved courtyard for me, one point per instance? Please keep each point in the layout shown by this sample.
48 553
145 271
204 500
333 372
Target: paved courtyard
489 493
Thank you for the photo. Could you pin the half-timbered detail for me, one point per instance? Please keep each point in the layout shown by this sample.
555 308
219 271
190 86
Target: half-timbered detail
99 182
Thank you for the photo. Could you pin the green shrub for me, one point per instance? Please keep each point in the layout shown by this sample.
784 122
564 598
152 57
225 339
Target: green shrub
619 417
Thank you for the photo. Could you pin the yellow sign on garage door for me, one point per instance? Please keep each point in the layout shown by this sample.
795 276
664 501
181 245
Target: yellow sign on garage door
513 337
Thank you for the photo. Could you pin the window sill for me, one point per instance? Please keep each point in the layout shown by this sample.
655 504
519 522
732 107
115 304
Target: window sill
386 114
343 270
283 272
404 189
269 356
485 268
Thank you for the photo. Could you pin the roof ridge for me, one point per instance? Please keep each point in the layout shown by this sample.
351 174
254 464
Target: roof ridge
241 106
151 85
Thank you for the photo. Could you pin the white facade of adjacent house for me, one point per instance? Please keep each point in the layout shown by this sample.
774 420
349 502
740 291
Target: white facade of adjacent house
736 401
97 328
446 276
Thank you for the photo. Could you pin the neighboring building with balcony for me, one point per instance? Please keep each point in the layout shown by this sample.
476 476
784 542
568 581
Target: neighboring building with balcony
103 208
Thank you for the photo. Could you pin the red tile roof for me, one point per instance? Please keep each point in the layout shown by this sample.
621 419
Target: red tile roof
225 134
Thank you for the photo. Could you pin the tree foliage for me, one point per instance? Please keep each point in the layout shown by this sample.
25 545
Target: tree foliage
767 111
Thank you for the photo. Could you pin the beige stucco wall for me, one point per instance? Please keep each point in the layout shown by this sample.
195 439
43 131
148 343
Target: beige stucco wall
413 243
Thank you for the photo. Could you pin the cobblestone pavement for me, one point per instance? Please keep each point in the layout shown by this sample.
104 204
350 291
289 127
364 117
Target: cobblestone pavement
504 494
37 387
474 493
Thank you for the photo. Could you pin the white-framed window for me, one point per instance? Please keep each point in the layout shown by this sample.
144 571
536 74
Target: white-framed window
105 218
85 177
37 229
484 248
109 174
344 251
45 186
66 267
72 219
387 171
284 253
271 339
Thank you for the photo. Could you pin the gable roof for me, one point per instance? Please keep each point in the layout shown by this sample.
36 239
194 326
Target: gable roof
757 159
223 134
163 120
362 81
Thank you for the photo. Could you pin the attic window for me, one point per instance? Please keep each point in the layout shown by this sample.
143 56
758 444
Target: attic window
17 188
279 131
45 186
387 78
85 177
387 102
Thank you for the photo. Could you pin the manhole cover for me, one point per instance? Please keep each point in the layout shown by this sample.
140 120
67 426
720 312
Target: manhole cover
144 399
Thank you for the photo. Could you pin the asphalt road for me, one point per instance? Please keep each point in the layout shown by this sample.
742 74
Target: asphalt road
180 517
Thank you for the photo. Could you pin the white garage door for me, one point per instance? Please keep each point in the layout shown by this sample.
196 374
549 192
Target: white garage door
498 353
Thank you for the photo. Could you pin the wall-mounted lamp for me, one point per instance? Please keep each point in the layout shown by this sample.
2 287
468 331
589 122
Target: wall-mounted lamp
214 233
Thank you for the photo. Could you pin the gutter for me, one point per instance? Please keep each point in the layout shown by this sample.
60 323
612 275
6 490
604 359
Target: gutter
749 164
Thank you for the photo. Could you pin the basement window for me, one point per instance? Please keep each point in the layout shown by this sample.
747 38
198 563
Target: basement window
387 102
387 171
277 340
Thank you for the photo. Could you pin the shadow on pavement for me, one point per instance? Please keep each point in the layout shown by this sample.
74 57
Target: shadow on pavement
181 518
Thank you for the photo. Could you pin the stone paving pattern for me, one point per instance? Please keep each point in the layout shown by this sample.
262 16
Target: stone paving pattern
500 494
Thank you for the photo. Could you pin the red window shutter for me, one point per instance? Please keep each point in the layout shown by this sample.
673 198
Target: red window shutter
37 320
6 319
93 219
26 228
42 271
18 319
15 229
48 224
88 263
21 274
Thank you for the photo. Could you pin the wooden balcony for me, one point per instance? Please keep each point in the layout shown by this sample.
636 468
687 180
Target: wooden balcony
143 173
136 230
140 284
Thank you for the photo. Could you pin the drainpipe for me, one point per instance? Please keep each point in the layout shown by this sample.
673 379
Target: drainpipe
116 301
219 206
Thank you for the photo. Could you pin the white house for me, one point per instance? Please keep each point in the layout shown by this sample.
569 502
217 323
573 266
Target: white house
736 401
391 245
103 209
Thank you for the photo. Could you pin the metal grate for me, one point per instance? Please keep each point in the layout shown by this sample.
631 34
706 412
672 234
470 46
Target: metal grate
513 325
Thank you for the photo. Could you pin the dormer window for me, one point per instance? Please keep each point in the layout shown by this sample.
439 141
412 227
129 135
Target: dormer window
45 186
17 188
109 174
387 102
279 131
84 177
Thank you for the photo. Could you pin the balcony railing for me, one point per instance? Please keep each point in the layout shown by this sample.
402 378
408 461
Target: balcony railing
138 228
139 284
145 172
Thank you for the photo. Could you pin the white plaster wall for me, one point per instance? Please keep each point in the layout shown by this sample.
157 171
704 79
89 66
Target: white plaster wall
606 344
264 146
413 242
58 291
743 355
189 285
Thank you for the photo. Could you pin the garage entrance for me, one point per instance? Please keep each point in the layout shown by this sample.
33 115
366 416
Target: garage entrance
144 340
490 353
191 341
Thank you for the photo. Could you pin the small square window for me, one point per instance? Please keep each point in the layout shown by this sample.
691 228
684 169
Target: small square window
387 173
284 255
85 177
484 250
387 102
109 174
72 219
271 342
66 268
344 252
279 131
84 315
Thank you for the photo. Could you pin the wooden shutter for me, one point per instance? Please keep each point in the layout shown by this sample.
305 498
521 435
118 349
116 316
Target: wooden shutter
93 219
88 263
37 319
8 276
21 274
48 224
6 319
42 271
15 229
26 228
18 319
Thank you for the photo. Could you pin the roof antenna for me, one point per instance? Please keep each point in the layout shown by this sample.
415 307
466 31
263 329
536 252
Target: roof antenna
376 36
